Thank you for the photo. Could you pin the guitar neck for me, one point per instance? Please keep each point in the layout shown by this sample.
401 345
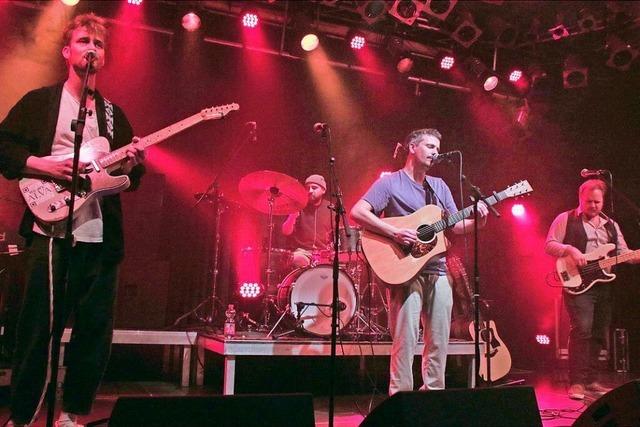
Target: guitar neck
118 155
453 219
618 259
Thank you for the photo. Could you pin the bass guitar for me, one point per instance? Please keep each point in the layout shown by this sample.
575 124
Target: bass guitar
48 198
576 280
395 264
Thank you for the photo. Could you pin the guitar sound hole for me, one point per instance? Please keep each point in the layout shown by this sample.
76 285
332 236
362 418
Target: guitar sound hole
426 233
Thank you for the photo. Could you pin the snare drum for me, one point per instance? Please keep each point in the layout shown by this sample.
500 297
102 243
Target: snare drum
309 290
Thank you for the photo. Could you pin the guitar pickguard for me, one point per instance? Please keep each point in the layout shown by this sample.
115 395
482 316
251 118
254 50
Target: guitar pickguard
420 249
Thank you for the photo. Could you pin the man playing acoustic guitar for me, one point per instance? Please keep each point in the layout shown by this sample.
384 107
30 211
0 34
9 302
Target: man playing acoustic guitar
427 297
34 139
574 234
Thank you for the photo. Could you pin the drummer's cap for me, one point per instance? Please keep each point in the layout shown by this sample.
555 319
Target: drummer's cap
316 179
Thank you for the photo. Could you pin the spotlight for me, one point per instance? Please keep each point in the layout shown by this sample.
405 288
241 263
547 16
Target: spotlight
191 22
505 34
250 290
439 8
356 39
405 64
586 19
446 61
560 30
517 209
309 42
134 2
478 71
250 19
372 11
621 54
575 73
69 2
515 75
543 339
407 11
466 32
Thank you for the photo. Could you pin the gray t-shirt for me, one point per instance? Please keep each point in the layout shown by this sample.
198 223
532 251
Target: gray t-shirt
397 195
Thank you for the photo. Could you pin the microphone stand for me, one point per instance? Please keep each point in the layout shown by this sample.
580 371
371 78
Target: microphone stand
57 327
476 197
218 196
340 215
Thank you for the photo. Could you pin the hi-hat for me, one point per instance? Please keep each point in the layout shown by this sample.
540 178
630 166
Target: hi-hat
261 188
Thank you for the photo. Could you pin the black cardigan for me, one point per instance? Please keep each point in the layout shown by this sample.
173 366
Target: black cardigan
29 129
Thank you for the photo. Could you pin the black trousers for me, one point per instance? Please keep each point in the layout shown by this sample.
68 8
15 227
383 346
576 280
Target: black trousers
89 298
590 318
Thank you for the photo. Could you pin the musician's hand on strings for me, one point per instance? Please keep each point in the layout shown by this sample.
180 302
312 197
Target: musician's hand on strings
52 166
577 256
405 236
135 156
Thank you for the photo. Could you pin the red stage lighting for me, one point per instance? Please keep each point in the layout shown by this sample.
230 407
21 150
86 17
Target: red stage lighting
543 339
191 22
357 42
135 2
250 20
517 210
447 62
250 290
515 75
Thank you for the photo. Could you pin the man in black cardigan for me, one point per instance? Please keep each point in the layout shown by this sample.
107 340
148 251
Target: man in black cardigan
36 138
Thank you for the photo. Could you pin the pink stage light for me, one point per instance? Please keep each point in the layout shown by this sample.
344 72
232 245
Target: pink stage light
135 2
515 75
250 290
517 210
309 42
357 42
191 22
250 20
447 62
543 339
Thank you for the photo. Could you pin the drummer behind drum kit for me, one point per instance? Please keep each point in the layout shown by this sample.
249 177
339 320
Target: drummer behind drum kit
302 300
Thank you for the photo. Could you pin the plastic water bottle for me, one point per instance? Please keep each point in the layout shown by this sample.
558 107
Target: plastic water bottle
230 322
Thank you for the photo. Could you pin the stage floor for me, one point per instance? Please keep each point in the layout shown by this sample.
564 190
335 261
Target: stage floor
556 408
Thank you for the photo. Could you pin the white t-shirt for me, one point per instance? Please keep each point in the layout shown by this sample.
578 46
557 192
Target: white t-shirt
87 222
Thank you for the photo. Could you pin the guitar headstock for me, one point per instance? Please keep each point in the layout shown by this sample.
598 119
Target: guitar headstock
518 189
218 112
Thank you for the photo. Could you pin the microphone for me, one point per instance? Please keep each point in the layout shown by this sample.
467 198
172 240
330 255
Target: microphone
588 173
439 158
320 127
91 55
342 306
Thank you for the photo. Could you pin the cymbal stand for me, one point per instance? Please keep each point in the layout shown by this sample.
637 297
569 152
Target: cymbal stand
269 301
362 323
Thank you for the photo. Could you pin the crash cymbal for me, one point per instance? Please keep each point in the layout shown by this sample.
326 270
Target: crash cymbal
288 194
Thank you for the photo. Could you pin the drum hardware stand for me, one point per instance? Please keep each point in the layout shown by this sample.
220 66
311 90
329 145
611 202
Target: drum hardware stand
269 301
364 325
298 326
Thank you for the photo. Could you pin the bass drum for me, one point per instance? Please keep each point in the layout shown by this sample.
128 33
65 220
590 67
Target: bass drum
309 290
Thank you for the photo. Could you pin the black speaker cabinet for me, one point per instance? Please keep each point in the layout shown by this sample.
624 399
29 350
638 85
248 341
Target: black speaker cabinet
251 410
619 407
508 406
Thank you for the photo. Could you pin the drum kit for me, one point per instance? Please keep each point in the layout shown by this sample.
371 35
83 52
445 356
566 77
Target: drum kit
302 299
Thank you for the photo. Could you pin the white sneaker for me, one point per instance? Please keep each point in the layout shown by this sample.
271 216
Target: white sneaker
67 420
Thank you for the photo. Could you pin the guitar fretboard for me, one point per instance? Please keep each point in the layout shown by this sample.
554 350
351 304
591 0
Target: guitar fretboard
617 259
120 154
453 219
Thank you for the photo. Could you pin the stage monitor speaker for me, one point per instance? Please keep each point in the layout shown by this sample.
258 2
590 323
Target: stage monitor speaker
508 407
251 410
619 407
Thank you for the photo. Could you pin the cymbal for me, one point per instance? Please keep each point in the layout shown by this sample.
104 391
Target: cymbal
258 187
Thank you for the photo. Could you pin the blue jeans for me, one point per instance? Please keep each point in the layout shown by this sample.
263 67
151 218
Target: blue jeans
590 318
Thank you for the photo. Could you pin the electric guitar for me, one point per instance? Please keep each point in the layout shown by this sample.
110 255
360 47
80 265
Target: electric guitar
394 263
577 280
48 198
